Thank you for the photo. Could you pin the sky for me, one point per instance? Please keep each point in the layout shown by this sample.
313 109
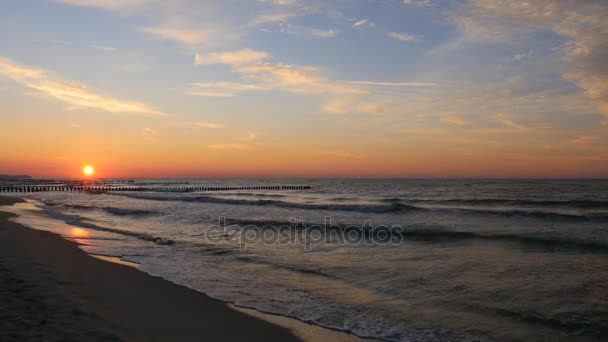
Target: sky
294 88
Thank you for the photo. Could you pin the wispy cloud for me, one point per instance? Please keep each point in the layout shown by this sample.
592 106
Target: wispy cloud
374 107
221 89
107 4
103 48
419 3
338 106
75 95
185 36
147 132
521 56
240 147
347 105
309 31
363 22
252 136
404 37
456 120
280 2
210 93
301 80
582 22
208 124
271 18
295 79
506 121
395 84
585 140
237 57
228 86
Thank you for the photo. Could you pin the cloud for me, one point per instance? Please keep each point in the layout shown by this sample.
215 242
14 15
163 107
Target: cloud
521 56
280 2
506 121
271 18
404 37
237 57
338 106
221 89
583 23
252 136
346 105
309 31
103 48
454 120
147 132
241 147
228 86
395 84
296 79
360 22
106 4
419 3
585 140
75 95
363 22
182 35
594 81
191 23
208 124
251 64
210 93
373 107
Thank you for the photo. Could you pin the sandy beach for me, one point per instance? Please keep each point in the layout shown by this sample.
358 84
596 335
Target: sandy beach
52 290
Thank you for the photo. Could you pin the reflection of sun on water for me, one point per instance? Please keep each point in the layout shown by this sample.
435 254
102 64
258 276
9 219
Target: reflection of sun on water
79 233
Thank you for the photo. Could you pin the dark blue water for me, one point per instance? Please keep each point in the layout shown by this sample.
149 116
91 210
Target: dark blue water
455 260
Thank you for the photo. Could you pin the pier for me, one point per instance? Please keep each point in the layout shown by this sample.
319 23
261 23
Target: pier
102 189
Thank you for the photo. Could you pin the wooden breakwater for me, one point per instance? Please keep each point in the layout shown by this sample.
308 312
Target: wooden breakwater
102 189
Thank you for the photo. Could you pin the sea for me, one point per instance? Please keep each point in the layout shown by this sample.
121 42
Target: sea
388 259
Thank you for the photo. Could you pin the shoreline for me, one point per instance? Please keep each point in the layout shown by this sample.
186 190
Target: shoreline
111 300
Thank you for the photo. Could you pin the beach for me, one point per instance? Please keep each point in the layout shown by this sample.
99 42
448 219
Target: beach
52 290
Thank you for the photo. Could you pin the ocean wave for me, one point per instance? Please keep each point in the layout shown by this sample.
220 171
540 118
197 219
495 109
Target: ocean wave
246 194
553 210
127 212
365 208
344 198
435 234
572 323
574 204
112 210
538 214
392 205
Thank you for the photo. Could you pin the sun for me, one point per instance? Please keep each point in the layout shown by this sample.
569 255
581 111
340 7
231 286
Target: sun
88 170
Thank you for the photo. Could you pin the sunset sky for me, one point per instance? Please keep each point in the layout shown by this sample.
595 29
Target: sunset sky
294 88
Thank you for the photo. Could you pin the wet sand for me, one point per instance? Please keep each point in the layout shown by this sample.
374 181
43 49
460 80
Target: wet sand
52 290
